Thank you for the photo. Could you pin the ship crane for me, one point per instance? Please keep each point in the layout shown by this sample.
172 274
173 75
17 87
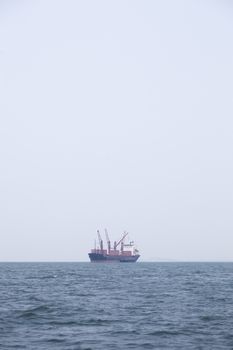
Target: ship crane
108 241
100 240
116 244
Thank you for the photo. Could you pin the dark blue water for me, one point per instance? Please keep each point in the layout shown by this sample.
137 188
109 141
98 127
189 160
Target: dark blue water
116 306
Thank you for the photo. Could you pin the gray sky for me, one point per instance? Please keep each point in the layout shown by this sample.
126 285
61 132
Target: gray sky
116 114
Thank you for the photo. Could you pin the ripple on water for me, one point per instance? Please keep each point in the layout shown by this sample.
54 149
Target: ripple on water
139 306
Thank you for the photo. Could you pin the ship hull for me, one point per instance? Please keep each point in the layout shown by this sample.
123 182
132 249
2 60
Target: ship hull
97 257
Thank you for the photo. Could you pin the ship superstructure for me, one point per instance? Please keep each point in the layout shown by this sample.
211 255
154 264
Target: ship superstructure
119 252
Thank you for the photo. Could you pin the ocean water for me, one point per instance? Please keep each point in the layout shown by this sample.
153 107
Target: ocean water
116 306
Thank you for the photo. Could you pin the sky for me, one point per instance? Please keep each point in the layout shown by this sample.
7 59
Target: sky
116 114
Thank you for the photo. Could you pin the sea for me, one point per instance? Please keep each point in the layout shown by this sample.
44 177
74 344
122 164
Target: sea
85 306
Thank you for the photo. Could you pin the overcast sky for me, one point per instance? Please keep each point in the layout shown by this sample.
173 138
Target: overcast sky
116 114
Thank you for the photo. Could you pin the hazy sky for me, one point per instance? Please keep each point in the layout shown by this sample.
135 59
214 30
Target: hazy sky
116 114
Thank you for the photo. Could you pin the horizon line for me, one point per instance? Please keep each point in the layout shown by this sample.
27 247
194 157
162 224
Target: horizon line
142 261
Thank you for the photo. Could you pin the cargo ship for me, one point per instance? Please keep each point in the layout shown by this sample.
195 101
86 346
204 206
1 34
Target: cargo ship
120 252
